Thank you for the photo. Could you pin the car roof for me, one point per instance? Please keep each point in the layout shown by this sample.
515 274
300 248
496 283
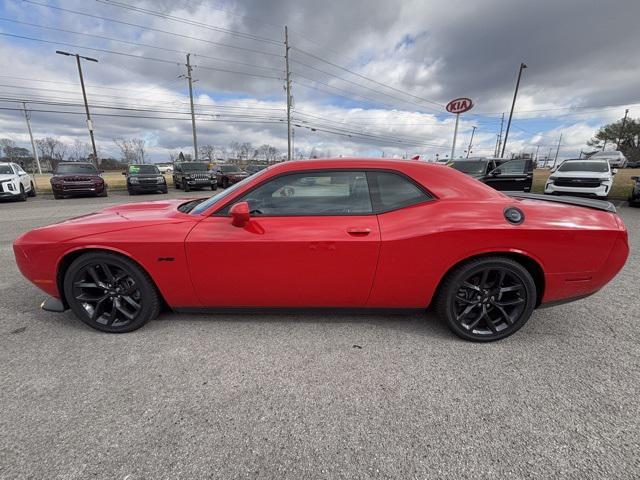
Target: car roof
441 180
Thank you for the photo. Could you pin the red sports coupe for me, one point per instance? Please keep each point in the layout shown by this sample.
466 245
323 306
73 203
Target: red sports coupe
347 233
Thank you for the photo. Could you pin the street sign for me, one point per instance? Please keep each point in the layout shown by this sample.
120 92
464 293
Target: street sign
459 105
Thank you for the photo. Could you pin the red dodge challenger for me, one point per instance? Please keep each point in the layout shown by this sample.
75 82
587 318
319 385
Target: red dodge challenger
347 233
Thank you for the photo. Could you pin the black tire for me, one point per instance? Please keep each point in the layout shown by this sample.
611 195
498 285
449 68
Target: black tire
186 187
104 193
164 190
23 196
32 192
486 299
225 183
131 192
103 290
214 186
57 196
176 185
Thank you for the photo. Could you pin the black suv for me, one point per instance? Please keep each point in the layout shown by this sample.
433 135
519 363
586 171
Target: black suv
190 175
144 178
502 174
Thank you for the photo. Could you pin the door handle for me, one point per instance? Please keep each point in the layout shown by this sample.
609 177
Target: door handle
356 231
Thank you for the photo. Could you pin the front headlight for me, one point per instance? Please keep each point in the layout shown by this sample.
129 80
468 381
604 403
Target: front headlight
159 179
552 178
134 180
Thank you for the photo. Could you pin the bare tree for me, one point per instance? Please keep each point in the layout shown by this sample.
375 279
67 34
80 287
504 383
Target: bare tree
7 145
207 152
132 149
79 150
139 147
51 148
245 150
234 149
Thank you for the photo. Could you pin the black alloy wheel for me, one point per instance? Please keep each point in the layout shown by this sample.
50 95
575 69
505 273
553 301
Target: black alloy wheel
110 293
487 299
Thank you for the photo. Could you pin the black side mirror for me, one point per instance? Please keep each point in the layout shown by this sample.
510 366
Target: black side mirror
496 172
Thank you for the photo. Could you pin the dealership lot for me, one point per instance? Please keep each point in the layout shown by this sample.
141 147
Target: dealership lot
314 395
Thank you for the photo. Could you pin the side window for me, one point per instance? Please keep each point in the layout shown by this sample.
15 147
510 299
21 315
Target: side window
514 167
313 193
391 191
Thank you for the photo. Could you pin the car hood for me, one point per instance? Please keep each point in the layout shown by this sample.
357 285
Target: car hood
559 174
6 176
146 175
115 218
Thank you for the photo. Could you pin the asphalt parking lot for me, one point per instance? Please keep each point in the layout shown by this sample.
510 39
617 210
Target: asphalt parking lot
315 395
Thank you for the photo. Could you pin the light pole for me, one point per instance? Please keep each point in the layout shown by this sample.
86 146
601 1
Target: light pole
513 104
471 141
84 95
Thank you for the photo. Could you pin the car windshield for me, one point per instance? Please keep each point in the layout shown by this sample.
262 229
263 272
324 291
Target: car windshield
230 169
135 169
470 166
194 167
86 168
5 170
224 193
588 166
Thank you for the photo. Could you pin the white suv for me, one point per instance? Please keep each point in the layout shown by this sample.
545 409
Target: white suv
581 177
15 182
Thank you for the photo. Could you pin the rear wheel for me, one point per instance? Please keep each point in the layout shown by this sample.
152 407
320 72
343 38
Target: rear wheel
110 293
225 183
487 299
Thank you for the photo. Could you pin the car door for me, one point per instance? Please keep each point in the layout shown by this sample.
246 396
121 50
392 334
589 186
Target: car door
512 175
312 241
23 176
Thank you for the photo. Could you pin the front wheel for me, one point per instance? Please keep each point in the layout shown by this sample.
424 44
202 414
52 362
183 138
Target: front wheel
23 196
110 293
487 299
32 192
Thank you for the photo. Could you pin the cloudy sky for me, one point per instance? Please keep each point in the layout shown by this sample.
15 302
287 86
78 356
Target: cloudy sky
368 76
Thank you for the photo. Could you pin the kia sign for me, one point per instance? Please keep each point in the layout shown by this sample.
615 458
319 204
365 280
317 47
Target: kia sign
459 105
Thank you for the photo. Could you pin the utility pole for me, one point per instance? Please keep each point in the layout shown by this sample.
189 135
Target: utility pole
624 122
557 150
537 150
499 142
471 141
193 115
84 95
513 104
33 144
288 89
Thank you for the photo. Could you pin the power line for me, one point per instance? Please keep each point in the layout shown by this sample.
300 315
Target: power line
367 78
113 52
151 29
187 21
357 84
127 42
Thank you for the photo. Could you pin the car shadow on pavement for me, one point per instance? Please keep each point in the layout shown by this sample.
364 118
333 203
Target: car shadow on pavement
421 323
